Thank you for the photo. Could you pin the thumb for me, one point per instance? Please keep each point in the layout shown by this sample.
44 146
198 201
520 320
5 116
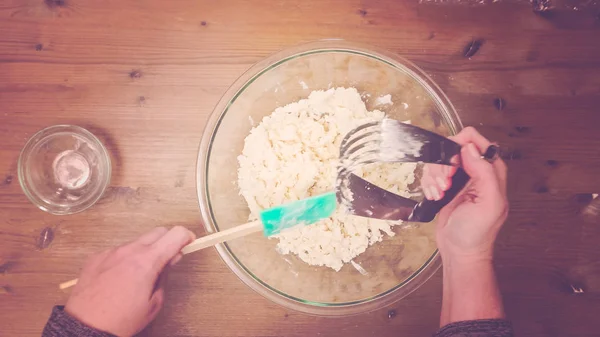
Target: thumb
168 247
476 167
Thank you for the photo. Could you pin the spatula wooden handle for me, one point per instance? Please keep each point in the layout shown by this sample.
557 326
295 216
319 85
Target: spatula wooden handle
205 242
222 236
68 284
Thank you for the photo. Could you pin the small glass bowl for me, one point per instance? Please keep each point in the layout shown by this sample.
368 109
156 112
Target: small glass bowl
64 169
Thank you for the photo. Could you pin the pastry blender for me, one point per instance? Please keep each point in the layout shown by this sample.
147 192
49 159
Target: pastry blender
393 141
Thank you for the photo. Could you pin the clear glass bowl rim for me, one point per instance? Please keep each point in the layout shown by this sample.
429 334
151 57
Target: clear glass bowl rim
41 134
420 276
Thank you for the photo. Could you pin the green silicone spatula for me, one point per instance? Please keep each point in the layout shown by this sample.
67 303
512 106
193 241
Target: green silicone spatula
273 220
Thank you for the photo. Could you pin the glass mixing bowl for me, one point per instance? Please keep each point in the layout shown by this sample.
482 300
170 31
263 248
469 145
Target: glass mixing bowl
394 267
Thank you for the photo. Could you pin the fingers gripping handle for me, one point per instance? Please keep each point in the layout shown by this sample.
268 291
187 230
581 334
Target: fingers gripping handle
426 210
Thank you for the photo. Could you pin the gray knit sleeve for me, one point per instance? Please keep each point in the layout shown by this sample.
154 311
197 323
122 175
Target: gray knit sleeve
62 324
478 328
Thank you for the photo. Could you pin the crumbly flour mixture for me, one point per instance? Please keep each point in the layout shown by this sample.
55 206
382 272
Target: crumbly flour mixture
293 154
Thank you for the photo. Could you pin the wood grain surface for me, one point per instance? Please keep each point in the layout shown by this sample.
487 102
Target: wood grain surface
144 76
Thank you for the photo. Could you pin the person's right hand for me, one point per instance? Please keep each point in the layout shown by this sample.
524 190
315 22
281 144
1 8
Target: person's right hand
468 225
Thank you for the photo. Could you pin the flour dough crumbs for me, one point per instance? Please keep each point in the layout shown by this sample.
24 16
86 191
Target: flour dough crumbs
293 154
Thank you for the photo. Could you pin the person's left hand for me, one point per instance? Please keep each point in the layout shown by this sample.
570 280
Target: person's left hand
120 290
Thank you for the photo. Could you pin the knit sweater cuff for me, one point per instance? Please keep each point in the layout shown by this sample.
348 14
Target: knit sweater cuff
62 324
477 328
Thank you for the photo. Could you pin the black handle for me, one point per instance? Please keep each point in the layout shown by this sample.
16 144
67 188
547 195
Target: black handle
426 210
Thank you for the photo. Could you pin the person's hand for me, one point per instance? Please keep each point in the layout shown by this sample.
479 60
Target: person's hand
468 225
120 290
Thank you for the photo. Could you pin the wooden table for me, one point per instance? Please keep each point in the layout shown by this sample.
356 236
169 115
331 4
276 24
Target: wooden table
145 75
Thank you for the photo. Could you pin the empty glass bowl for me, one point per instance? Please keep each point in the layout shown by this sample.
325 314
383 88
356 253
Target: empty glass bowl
387 271
64 169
